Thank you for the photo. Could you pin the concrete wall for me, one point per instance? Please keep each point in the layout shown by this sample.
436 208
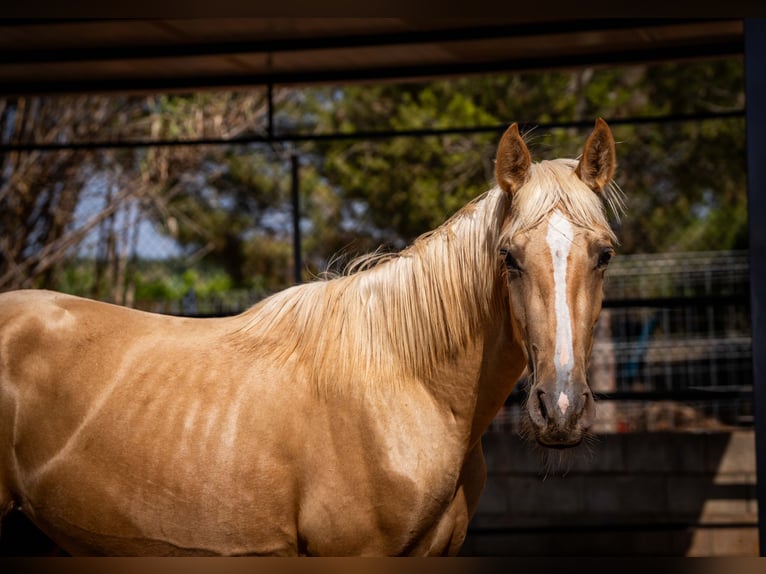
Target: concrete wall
659 494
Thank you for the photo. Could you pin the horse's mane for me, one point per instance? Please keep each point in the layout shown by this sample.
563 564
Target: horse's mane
396 317
392 318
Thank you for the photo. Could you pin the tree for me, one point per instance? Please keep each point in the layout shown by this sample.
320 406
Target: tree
225 205
40 191
687 179
396 189
46 196
683 180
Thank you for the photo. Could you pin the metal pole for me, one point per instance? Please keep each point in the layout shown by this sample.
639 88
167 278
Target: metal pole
755 117
295 188
285 137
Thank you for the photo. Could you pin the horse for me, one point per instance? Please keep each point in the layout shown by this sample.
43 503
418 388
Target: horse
342 416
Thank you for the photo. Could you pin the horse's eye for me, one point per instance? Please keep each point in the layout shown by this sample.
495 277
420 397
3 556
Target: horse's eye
605 258
510 261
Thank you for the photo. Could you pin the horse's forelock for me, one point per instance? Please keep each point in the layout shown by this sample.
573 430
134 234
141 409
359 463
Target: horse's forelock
554 185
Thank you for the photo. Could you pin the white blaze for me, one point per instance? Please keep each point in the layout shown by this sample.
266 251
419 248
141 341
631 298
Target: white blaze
560 236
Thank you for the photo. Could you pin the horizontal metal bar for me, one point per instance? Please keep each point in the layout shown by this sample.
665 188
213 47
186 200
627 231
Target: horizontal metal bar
569 527
358 135
676 302
384 73
696 395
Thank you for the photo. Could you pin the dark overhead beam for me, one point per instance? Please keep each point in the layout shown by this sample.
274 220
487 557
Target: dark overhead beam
470 33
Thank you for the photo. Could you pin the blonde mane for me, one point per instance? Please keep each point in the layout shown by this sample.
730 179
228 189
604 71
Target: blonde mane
400 317
553 184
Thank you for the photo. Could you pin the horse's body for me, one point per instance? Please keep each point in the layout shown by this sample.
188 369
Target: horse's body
170 437
339 417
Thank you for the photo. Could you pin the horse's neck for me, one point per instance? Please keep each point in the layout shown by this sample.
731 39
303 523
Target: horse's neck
444 314
502 366
474 378
473 386
436 316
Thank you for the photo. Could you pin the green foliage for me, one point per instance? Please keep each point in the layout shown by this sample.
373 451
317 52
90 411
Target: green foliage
390 191
161 282
681 178
78 278
684 181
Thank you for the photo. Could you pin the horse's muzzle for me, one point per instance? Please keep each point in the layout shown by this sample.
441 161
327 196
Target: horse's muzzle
560 417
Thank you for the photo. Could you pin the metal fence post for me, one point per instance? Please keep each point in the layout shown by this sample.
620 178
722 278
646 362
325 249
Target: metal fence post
295 192
755 97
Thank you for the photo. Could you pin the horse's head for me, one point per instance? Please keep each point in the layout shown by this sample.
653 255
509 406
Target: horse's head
556 247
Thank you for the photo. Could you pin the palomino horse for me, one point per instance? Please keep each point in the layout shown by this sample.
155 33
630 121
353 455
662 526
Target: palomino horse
339 417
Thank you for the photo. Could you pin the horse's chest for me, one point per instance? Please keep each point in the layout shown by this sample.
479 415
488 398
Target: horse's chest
412 439
383 477
423 462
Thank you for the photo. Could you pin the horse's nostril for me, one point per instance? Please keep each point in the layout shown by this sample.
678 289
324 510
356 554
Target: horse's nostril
583 404
587 412
541 402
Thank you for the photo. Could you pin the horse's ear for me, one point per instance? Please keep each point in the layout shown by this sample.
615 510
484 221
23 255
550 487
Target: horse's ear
513 161
598 161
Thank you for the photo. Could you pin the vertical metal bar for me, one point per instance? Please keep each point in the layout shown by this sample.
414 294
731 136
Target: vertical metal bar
295 188
755 116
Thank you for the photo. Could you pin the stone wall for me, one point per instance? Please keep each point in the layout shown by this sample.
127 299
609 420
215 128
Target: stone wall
658 494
